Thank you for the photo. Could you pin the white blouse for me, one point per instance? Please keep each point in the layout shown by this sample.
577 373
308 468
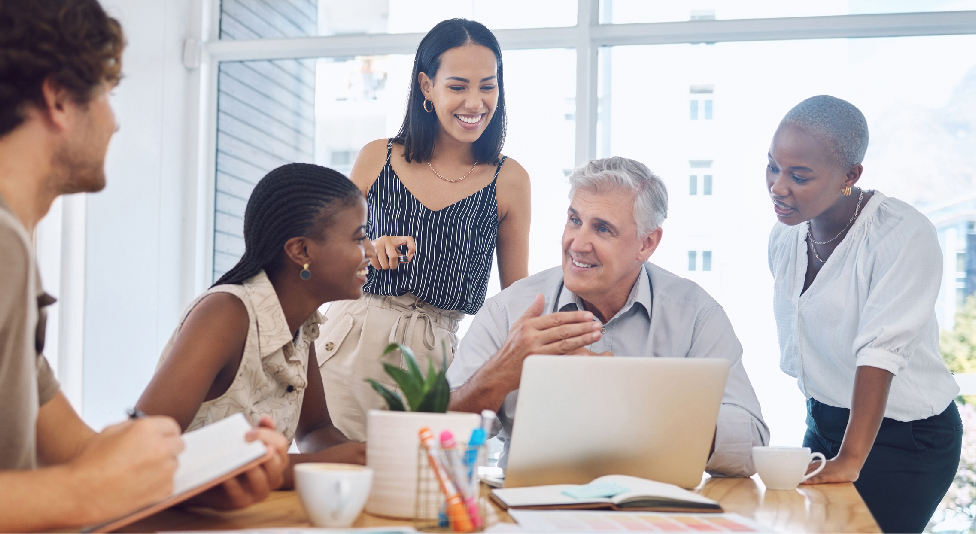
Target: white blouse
872 303
271 379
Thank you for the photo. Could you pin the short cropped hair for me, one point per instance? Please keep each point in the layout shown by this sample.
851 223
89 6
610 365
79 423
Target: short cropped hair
72 43
615 173
837 121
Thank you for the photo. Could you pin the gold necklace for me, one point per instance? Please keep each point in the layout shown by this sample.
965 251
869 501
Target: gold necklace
448 179
812 241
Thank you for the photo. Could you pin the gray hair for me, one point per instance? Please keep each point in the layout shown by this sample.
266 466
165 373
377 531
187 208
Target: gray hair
610 174
839 121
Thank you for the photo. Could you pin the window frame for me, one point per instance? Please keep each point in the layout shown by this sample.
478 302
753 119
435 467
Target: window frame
204 51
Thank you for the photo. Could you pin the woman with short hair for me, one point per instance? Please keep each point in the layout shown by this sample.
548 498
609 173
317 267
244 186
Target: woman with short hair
857 274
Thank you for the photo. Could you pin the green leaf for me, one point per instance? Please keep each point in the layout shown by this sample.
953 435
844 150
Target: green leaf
413 390
393 402
408 357
439 397
431 376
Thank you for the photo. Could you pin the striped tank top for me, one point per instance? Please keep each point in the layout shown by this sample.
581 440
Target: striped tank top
455 245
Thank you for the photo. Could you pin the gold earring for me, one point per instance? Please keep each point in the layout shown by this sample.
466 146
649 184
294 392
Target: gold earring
431 106
306 274
846 191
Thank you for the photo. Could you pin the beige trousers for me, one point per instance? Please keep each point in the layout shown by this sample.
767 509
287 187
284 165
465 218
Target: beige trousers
351 343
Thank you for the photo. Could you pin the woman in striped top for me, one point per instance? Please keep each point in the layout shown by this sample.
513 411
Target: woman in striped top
441 199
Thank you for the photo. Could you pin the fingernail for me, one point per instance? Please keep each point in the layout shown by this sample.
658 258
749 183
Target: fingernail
588 316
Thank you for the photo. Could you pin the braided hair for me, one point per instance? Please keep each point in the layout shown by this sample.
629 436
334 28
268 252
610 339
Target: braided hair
294 200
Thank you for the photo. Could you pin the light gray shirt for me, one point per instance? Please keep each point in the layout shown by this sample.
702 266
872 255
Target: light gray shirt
687 323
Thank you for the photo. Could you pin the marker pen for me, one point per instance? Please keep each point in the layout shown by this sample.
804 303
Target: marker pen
461 477
458 516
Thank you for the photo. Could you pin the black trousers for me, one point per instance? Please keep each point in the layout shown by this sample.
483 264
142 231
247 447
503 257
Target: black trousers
909 468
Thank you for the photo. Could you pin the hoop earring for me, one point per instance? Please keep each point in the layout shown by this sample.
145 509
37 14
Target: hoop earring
846 191
306 274
431 106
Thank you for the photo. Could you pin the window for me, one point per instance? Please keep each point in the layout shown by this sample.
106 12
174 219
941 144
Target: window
700 166
633 105
961 262
701 97
706 260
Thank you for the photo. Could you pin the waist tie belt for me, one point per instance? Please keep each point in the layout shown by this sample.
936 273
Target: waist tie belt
412 309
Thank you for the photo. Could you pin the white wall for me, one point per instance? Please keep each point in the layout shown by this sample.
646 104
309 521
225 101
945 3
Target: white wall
134 248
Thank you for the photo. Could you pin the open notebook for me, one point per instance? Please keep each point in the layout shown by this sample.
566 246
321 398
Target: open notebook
635 494
212 454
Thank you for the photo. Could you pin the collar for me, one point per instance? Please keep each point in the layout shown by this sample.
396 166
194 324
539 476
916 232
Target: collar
640 295
272 326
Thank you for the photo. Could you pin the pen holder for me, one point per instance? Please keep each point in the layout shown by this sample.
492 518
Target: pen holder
432 512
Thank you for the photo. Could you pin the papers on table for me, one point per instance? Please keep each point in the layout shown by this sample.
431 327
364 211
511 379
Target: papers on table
602 521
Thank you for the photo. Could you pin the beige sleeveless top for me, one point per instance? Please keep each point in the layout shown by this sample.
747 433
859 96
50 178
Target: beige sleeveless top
272 377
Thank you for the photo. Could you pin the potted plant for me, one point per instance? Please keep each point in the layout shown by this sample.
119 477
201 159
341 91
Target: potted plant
392 435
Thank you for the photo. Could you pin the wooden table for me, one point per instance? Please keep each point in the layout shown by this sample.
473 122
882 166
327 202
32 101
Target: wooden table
823 508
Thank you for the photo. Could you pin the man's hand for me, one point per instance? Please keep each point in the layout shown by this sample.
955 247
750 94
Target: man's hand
532 333
255 484
126 466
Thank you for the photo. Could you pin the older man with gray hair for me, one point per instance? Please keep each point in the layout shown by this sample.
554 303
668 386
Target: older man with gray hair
607 299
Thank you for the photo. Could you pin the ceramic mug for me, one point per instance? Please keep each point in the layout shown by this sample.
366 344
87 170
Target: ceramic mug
333 495
783 468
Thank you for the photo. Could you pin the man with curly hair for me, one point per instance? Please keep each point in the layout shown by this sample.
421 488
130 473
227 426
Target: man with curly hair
58 61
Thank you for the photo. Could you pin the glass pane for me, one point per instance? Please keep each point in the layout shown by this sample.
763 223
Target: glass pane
708 109
707 184
633 11
707 260
692 185
694 109
252 19
692 260
923 137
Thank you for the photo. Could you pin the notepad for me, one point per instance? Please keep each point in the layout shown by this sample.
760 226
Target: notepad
642 494
211 455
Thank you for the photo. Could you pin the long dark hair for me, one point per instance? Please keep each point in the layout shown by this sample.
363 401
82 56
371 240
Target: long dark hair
419 128
294 200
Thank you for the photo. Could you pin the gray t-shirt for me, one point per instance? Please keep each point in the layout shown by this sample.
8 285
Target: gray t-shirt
26 380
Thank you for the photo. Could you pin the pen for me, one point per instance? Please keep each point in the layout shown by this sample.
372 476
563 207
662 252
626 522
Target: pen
471 458
461 477
134 413
460 522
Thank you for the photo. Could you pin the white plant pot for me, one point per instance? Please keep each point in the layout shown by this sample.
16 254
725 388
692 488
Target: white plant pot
391 451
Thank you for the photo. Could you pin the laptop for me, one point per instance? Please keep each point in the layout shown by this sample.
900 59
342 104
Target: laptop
579 418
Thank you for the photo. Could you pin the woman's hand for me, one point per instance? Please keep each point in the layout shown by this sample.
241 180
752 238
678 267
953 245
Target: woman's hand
837 470
387 255
255 484
353 452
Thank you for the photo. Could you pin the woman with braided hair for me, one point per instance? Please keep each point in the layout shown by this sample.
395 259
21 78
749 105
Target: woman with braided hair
244 346
442 200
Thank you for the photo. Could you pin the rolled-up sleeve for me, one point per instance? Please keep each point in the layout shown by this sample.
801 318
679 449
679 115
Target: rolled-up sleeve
740 424
905 275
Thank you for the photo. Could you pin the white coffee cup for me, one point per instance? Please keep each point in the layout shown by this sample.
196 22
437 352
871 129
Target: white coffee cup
783 468
333 495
